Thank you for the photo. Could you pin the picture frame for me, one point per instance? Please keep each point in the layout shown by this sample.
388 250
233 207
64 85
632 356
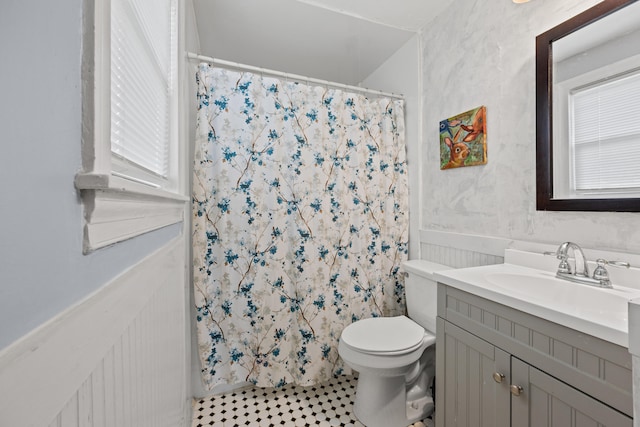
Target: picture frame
463 139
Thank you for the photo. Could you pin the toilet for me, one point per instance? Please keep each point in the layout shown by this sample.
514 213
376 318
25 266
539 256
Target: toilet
395 356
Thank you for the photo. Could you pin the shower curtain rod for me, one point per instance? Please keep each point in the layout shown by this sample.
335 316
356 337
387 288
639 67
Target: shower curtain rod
237 65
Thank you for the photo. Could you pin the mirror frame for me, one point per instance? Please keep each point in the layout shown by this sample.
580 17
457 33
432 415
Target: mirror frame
544 118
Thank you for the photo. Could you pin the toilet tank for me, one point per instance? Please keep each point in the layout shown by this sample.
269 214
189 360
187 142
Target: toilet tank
420 290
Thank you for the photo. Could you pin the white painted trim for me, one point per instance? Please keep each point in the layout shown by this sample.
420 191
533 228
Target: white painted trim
42 371
96 87
116 208
113 183
185 97
113 216
470 242
422 150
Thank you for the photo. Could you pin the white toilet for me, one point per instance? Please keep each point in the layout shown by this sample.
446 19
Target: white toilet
395 356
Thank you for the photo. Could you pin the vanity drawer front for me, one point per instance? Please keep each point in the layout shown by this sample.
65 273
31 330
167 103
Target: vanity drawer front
599 368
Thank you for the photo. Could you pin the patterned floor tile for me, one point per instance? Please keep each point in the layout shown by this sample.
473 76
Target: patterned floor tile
327 405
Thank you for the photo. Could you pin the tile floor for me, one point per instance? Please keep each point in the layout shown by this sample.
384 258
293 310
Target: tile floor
327 404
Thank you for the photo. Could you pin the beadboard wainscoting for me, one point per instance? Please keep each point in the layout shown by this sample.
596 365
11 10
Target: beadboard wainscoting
117 358
461 250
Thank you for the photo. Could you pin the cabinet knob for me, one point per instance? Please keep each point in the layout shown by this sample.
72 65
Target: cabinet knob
498 377
516 390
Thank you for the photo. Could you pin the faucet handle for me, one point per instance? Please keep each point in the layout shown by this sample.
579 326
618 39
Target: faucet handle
601 273
622 264
564 266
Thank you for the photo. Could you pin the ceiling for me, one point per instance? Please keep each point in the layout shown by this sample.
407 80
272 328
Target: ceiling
338 40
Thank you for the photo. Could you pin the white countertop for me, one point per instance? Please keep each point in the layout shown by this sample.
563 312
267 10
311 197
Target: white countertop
634 326
599 312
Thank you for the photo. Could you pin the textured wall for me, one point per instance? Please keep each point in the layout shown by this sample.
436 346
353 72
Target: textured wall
483 53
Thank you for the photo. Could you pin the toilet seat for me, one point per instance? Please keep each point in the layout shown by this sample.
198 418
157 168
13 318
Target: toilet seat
385 335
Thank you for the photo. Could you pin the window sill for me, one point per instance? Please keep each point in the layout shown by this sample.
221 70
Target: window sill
116 209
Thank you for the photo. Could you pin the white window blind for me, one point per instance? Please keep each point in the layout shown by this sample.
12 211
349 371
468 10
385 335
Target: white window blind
141 77
605 136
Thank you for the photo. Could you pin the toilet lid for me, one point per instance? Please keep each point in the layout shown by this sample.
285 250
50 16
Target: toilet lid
383 334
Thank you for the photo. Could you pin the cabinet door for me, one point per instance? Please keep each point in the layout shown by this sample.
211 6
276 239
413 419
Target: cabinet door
547 402
467 395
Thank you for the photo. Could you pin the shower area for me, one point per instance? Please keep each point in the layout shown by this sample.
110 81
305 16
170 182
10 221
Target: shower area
299 222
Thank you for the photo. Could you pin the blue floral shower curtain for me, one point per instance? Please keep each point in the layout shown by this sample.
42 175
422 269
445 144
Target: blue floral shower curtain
300 223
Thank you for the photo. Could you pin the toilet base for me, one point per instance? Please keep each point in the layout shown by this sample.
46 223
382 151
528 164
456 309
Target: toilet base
419 409
382 402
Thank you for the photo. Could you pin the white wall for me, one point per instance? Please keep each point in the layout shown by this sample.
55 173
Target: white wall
483 53
400 74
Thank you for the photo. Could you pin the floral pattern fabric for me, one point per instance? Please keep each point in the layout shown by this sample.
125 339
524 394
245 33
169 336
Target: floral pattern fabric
300 223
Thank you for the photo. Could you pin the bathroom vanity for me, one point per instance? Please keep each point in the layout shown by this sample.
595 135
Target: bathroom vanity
516 347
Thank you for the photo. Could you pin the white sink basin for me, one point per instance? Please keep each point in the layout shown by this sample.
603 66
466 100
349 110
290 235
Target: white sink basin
600 312
583 300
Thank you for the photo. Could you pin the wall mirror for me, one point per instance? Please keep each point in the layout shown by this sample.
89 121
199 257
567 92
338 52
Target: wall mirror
588 111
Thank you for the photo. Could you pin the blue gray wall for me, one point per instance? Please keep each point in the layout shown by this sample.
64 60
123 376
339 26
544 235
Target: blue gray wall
42 268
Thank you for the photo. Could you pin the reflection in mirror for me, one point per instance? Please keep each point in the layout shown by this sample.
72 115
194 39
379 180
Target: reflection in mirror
588 100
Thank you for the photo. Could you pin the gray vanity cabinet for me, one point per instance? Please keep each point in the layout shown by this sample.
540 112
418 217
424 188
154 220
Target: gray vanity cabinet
499 367
465 393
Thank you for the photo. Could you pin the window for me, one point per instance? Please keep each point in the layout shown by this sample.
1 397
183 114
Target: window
142 85
130 183
604 136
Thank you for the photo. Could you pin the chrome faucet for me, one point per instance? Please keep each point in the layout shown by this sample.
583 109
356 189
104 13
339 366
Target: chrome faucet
581 272
582 269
